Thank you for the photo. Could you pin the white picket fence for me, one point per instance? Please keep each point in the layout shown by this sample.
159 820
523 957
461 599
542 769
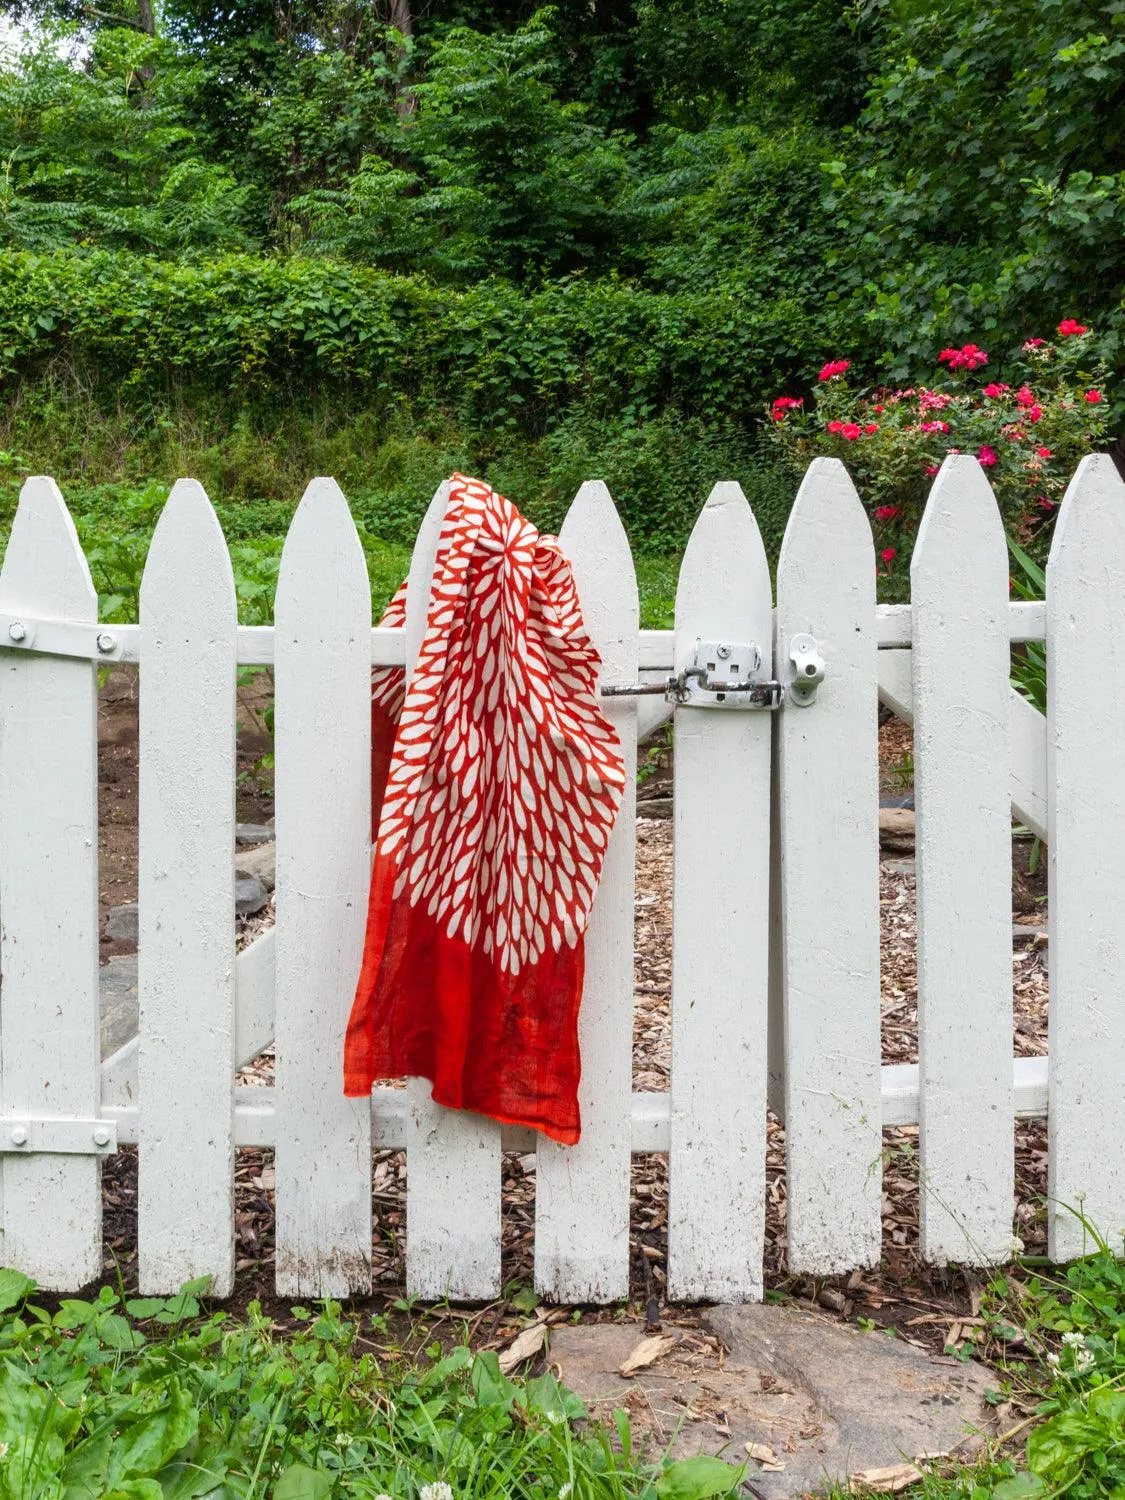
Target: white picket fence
776 911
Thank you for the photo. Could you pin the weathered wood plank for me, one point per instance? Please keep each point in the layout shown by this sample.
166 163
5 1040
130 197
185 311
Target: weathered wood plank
828 786
1086 840
582 1191
961 665
50 1206
720 942
323 802
186 899
452 1158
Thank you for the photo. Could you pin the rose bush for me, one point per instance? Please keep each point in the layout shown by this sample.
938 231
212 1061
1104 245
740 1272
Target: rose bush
1028 430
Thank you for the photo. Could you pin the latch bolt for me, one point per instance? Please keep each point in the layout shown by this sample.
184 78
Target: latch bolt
808 670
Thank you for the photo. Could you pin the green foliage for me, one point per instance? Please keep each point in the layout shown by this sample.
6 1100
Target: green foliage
1029 430
102 157
149 1399
983 178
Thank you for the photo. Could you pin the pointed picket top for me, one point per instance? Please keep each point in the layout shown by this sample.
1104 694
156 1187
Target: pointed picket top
1092 511
720 593
961 665
420 578
453 1185
594 539
826 514
1085 828
323 740
44 564
188 545
582 1191
961 519
188 667
322 544
827 776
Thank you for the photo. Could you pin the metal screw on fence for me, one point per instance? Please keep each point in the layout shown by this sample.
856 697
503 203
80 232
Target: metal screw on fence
19 1135
107 641
16 631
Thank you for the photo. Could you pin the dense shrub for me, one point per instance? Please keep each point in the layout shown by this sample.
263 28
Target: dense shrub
1028 430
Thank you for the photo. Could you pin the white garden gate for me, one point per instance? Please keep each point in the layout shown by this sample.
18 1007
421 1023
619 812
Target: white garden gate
776 907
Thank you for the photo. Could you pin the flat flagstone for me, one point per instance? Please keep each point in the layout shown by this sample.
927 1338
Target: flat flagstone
816 1401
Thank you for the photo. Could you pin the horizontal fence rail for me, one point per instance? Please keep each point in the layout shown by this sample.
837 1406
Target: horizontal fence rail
775 958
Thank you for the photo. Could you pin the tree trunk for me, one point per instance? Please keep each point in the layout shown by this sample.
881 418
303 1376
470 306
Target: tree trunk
403 22
146 17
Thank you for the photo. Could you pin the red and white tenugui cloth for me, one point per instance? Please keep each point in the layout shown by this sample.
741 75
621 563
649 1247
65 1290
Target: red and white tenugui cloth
496 781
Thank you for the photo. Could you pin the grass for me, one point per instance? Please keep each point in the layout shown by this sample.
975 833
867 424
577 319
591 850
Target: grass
155 1399
159 1399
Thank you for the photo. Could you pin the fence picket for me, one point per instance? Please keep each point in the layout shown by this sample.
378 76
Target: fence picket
188 661
323 812
1086 828
50 1206
452 1158
828 782
961 667
582 1191
720 943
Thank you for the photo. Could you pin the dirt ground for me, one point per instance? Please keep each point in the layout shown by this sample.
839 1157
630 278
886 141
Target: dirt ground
924 1304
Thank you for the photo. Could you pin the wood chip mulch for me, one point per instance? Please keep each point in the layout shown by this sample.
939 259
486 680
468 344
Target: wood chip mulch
902 1292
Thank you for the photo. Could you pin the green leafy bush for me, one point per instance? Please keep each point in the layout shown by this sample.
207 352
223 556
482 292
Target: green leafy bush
150 1399
1028 431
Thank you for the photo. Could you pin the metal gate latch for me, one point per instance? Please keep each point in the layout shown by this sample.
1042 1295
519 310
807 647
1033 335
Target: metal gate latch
720 676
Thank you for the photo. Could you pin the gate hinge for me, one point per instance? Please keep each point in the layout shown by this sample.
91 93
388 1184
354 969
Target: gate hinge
721 675
58 1136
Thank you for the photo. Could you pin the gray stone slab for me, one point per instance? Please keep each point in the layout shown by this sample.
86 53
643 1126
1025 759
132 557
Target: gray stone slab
121 923
253 833
827 1400
120 1006
260 863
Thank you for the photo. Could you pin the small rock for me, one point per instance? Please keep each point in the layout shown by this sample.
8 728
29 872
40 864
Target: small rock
261 863
896 828
1025 932
249 895
122 923
900 866
253 833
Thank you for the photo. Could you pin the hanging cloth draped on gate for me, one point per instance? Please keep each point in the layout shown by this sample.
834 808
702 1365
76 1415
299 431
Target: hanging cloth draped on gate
496 780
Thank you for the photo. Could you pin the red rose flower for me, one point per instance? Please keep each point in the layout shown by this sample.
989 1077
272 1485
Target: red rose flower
986 456
835 427
994 390
1069 327
969 357
850 430
833 368
886 512
1030 344
1093 397
871 427
888 555
1043 452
